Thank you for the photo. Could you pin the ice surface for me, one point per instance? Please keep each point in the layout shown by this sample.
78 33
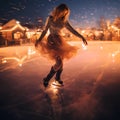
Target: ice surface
91 84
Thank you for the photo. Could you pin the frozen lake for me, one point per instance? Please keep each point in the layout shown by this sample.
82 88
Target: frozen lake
91 84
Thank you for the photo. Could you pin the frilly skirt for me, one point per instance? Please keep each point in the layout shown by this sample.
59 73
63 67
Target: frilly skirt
54 45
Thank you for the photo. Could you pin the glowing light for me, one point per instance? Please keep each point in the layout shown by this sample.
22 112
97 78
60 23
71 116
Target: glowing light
20 64
113 55
114 27
4 61
17 22
48 32
101 47
20 61
54 87
13 28
84 47
83 31
27 29
31 51
0 28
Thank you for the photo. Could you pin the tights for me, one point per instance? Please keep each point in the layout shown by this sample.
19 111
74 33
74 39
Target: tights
59 63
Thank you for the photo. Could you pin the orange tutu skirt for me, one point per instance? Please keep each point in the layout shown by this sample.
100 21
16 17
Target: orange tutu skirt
55 45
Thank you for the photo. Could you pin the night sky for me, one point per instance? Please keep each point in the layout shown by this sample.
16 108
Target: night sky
84 13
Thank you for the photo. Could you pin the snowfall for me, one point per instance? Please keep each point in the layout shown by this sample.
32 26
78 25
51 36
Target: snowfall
91 88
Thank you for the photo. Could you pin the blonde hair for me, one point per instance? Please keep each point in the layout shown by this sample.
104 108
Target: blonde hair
61 12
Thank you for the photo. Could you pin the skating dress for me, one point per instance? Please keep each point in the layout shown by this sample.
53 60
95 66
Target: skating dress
55 45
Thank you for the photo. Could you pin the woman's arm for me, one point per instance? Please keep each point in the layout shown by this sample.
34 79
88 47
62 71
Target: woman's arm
44 31
72 30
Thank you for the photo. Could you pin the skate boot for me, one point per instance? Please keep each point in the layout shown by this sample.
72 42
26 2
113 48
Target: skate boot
45 82
58 74
49 76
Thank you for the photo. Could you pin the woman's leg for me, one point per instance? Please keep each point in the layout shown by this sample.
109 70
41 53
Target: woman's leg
59 68
48 77
56 68
59 63
58 76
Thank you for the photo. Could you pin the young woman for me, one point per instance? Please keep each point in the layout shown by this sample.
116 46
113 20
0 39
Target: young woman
56 47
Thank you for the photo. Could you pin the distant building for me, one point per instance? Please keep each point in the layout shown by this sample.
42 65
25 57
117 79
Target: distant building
13 31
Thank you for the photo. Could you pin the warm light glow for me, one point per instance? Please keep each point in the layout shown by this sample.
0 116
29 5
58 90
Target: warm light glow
54 88
20 61
113 55
0 28
114 27
31 51
101 47
17 22
84 47
27 29
13 28
48 32
20 64
4 60
83 31
53 84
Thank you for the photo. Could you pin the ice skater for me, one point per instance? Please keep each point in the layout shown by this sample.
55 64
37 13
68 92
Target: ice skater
55 47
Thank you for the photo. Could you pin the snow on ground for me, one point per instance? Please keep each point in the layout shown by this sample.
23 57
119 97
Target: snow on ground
91 84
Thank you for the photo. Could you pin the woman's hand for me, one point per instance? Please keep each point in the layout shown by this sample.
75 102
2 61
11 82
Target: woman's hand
85 41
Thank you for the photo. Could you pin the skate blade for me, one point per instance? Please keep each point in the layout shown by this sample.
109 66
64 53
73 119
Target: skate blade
57 84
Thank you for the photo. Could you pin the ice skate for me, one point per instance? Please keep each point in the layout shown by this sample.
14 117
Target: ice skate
58 78
45 82
49 76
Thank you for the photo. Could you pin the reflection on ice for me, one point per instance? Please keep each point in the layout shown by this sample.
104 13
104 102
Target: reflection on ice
101 47
90 79
31 51
20 60
97 51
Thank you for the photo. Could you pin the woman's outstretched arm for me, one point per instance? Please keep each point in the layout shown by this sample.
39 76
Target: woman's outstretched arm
72 30
43 32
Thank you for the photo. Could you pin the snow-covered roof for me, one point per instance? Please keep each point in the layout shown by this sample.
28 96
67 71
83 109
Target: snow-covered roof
11 25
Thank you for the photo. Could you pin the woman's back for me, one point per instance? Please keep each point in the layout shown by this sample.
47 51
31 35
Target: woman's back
55 27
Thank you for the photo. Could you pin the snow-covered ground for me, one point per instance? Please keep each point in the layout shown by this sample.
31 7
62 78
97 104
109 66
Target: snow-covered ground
91 84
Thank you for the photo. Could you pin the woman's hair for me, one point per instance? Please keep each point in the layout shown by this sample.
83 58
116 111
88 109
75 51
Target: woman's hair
61 12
